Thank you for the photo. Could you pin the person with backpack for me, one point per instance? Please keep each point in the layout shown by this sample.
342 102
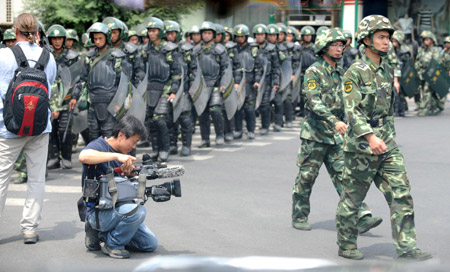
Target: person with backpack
26 75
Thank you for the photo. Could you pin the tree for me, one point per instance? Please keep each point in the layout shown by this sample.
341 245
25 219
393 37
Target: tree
81 14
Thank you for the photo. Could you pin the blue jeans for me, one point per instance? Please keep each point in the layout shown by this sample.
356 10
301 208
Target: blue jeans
119 231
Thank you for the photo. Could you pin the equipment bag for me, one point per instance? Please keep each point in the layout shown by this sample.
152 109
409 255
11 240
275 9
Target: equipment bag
26 101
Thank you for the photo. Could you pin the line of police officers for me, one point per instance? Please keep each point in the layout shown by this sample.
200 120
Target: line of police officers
182 81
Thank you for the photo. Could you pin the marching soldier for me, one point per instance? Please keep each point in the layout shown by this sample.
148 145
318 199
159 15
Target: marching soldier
322 130
350 53
102 73
87 42
9 38
187 60
62 101
213 62
271 64
429 104
371 153
246 61
164 77
446 54
308 56
71 39
133 37
228 34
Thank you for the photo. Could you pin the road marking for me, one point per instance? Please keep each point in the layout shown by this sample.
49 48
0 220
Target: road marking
282 138
48 188
17 201
201 157
257 143
228 149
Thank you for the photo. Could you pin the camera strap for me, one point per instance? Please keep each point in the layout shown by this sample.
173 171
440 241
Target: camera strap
112 188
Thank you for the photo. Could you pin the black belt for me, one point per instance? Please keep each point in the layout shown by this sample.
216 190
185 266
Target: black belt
378 122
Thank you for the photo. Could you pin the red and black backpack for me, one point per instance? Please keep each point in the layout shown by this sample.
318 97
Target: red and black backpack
26 103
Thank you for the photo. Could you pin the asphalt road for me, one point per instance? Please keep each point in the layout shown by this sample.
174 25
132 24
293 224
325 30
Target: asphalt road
237 202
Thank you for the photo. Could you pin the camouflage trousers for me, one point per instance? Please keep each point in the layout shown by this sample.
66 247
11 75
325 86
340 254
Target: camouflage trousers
21 166
389 174
430 103
311 156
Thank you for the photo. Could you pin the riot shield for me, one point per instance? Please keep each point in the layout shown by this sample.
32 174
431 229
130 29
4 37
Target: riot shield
241 91
142 88
410 79
138 106
437 77
66 79
296 83
286 73
199 92
121 101
229 95
262 86
80 121
177 103
75 71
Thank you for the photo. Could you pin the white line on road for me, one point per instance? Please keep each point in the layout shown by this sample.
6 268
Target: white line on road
48 188
17 201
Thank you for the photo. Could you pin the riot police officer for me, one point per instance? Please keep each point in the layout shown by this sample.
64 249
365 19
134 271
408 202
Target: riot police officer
62 101
9 38
294 52
164 77
102 74
213 62
228 34
133 37
248 62
350 53
189 67
403 55
276 100
134 66
271 65
71 39
195 36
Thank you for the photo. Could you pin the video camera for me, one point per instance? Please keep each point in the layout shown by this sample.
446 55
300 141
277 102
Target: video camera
99 193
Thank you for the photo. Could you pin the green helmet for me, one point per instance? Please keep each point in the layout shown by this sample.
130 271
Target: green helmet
326 38
87 42
428 34
229 30
9 35
259 29
195 30
241 30
99 28
72 34
153 22
56 31
170 25
114 23
282 28
347 34
141 30
399 36
220 29
206 25
273 29
323 30
292 30
447 39
372 24
307 30
132 33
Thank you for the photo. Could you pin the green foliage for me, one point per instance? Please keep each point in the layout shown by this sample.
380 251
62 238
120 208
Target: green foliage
81 14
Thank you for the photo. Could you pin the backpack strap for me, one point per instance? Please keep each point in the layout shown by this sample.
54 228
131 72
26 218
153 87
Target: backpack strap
22 59
20 56
43 60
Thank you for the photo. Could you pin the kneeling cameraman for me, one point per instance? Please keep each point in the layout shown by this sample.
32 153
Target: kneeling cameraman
115 230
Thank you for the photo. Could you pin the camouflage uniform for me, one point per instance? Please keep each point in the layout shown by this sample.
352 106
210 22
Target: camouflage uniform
368 101
445 57
429 104
403 55
294 52
321 142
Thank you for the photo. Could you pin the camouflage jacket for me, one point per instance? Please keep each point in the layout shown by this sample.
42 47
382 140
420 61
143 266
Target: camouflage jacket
323 100
392 59
368 95
424 57
59 102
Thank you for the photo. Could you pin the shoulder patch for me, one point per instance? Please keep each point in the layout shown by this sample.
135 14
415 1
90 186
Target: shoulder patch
348 86
312 84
